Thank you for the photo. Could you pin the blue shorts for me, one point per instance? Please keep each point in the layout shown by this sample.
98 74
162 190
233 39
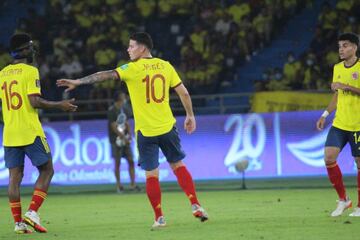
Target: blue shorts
38 152
338 138
148 147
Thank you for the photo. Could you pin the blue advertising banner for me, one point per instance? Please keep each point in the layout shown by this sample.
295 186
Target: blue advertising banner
274 144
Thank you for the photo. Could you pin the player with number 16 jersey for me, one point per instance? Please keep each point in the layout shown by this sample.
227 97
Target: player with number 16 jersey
23 134
21 121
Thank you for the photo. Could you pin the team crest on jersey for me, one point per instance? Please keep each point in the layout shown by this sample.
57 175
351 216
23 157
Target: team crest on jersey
37 82
355 75
125 66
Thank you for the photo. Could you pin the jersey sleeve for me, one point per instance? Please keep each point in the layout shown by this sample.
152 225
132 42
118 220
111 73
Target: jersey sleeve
33 83
175 79
124 71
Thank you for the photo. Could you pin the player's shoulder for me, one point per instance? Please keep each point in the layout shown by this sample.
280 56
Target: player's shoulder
22 67
126 65
30 69
164 63
339 65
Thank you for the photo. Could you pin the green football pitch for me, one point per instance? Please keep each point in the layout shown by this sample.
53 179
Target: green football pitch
268 209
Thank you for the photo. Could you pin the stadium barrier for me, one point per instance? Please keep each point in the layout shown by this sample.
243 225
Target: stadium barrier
285 101
203 104
274 144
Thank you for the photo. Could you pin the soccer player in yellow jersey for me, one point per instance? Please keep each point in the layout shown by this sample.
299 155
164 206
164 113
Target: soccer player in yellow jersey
346 125
23 133
149 80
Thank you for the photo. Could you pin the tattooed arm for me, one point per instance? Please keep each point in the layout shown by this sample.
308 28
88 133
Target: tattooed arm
91 79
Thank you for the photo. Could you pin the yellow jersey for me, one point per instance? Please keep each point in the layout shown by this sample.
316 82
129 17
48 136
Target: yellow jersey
21 120
347 116
149 81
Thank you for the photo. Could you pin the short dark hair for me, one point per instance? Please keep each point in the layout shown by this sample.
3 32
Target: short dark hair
19 41
143 38
351 37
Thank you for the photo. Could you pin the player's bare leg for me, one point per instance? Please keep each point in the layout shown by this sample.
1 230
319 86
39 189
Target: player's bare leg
187 185
15 178
356 211
46 172
119 187
153 192
335 177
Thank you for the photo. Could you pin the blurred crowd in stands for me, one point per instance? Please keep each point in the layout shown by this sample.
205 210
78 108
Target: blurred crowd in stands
208 39
313 69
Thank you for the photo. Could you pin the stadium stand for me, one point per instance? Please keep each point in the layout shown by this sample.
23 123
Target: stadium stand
227 46
311 68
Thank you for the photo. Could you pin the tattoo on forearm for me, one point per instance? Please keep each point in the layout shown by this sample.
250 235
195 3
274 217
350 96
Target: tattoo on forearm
99 77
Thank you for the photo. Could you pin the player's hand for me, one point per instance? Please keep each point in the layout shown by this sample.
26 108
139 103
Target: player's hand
320 123
69 83
68 106
190 124
337 85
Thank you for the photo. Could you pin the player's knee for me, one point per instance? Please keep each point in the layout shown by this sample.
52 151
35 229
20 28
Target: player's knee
330 158
48 172
152 173
16 177
177 164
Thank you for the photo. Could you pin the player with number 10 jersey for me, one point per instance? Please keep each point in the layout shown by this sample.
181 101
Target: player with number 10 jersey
149 80
150 99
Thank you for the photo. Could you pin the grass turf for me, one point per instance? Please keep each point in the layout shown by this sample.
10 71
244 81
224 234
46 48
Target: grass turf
281 213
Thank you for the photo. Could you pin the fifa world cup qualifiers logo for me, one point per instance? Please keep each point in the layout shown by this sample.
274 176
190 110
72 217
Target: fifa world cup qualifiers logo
248 141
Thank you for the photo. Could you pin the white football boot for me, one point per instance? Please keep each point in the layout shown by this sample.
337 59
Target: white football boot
342 205
355 213
159 223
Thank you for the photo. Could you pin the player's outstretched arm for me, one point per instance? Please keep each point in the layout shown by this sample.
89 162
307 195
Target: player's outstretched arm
64 105
320 124
91 79
190 122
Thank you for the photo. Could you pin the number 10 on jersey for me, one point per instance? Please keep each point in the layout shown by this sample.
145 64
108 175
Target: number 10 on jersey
150 88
